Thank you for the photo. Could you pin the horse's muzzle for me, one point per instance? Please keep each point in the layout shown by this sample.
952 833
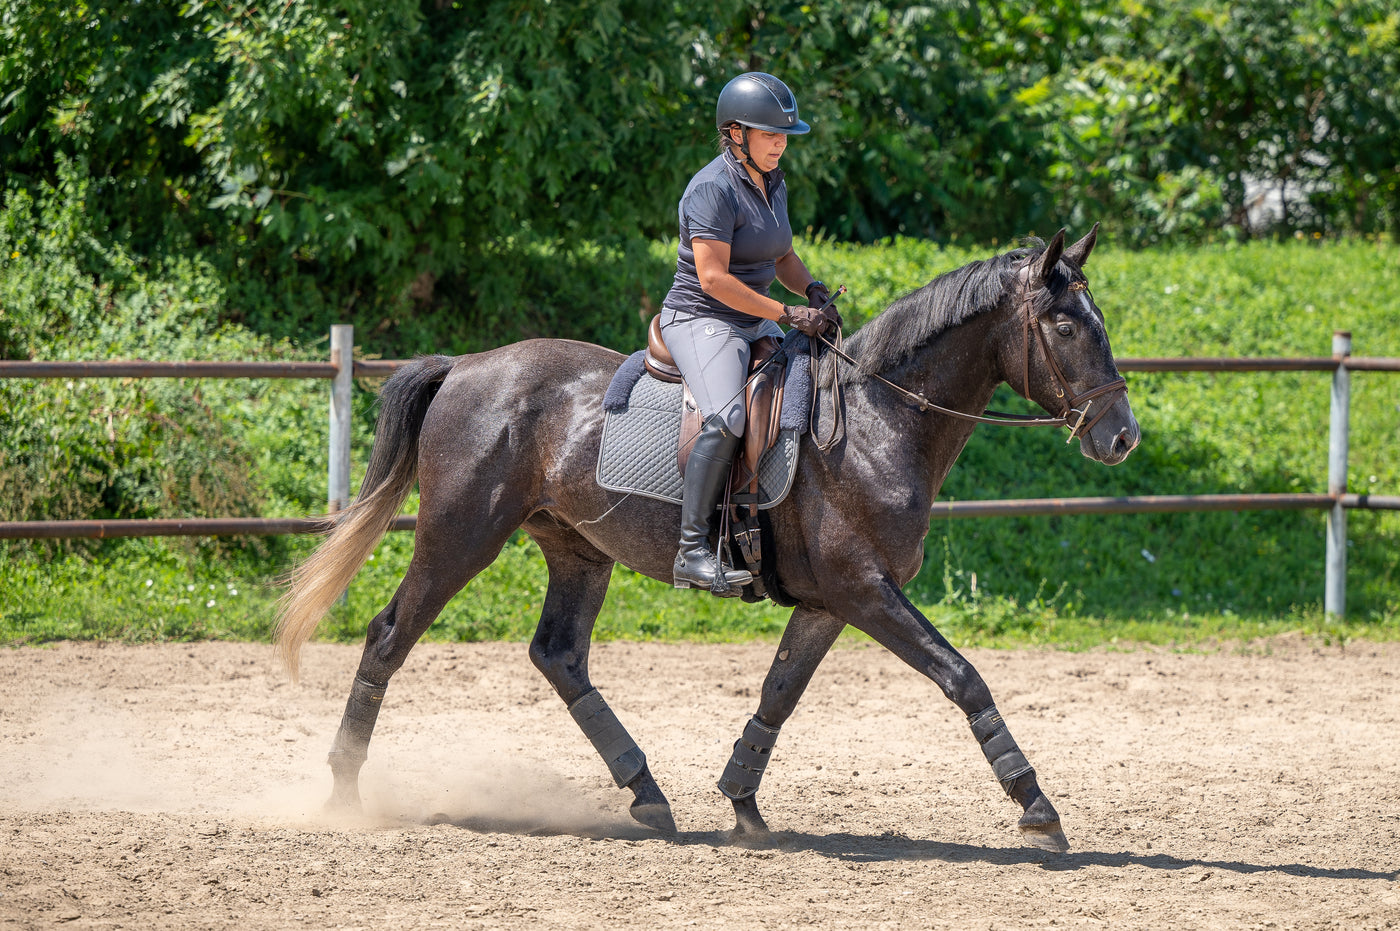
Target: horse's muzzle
1115 436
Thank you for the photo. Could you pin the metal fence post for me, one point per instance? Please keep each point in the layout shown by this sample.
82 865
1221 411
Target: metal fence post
343 358
1335 593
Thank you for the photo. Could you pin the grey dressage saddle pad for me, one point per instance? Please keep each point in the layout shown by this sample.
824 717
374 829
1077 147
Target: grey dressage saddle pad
638 453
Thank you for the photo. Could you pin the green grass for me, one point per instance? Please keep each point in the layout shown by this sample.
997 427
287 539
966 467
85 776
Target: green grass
1070 581
135 596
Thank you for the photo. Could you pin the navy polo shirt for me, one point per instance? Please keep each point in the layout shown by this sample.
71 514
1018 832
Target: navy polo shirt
722 203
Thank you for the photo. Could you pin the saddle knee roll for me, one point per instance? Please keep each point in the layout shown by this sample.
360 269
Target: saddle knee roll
602 728
999 747
750 758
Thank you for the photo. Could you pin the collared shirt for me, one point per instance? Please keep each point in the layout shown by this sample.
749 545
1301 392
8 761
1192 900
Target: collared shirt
722 203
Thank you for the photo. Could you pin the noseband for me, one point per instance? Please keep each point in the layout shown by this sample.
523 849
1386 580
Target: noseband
1069 407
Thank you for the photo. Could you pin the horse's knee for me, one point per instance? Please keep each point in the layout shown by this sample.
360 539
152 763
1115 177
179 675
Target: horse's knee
965 687
543 659
564 668
777 703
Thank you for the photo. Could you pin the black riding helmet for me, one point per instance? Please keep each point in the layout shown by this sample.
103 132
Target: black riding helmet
759 101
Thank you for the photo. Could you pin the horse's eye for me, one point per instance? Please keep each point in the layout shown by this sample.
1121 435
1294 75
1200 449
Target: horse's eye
1065 329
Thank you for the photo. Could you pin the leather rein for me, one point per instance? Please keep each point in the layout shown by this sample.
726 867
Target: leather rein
1070 406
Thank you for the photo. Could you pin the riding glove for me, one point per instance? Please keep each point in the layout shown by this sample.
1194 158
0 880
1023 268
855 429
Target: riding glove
807 319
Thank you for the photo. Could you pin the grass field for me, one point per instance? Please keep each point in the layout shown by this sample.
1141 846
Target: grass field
1186 579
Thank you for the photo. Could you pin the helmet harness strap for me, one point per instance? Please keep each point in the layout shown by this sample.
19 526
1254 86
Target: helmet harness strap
744 146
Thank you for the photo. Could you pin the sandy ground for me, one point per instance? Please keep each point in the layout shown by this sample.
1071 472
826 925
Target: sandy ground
180 786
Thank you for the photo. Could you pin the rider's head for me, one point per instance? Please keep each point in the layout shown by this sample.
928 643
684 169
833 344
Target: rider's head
756 101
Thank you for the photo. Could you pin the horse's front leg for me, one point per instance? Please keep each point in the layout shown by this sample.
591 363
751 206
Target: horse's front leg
808 638
886 615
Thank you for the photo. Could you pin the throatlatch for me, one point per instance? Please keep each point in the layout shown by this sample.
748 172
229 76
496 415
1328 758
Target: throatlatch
750 758
602 728
999 747
356 725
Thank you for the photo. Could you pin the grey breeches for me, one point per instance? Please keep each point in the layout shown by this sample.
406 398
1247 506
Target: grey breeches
713 356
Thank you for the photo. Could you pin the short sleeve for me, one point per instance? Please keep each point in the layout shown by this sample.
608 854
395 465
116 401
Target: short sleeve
710 213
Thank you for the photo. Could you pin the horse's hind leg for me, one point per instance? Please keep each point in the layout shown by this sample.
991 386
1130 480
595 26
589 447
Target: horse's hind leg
578 582
444 560
808 638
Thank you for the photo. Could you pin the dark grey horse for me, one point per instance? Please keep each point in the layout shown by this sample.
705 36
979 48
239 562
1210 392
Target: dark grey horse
509 439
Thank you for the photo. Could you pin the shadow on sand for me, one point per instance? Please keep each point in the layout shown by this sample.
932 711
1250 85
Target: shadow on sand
859 848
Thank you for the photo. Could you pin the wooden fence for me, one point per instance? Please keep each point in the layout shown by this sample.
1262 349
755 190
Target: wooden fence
342 369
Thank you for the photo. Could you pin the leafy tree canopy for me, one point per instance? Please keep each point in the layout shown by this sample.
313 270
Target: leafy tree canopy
459 154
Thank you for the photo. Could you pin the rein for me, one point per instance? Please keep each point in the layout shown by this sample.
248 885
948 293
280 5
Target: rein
994 417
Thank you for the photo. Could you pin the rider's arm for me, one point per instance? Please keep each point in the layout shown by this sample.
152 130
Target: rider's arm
793 273
712 266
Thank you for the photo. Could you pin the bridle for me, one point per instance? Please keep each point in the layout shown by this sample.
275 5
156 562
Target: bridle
1079 404
1069 406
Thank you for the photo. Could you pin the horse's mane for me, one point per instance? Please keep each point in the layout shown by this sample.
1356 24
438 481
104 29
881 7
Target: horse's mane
898 332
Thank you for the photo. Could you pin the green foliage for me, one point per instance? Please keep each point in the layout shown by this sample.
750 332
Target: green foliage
108 448
433 171
136 591
204 180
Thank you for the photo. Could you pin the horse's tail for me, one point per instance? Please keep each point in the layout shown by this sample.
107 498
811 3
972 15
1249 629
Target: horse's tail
393 466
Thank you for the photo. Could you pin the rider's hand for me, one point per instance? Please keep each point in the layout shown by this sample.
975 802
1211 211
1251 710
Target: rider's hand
807 319
818 297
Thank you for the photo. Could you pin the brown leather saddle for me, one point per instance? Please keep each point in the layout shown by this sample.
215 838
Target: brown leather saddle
763 402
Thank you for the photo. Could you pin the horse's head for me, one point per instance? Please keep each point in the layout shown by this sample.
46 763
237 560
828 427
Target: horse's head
1061 358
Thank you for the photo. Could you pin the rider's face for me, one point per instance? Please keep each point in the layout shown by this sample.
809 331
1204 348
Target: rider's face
765 148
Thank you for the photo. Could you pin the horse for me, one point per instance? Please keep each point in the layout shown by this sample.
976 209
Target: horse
509 438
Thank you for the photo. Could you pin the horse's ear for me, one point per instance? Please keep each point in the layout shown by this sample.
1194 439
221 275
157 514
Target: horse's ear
1049 259
1078 254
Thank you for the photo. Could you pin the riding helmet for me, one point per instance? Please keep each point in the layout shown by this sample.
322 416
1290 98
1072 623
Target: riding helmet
759 101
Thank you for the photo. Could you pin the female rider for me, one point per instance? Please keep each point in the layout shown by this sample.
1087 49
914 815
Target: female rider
735 238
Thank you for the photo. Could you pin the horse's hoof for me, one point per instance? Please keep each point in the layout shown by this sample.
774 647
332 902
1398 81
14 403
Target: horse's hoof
345 805
1048 836
750 830
656 816
649 805
1040 825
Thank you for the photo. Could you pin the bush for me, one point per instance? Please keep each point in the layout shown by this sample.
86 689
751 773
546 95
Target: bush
109 448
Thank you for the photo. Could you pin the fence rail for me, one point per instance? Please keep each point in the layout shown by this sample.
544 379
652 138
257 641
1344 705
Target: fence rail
944 510
342 369
382 368
1228 364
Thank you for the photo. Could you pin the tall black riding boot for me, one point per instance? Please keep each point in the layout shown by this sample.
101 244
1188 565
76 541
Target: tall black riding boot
706 474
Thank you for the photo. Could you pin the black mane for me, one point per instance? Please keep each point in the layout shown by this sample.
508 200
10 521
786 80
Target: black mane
897 333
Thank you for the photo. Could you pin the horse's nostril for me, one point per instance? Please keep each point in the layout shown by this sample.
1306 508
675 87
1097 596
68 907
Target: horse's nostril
1122 443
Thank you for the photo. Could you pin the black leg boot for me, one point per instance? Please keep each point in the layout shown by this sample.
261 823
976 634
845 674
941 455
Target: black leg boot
706 473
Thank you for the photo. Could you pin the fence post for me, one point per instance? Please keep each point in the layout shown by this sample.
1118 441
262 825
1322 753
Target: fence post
342 385
1335 593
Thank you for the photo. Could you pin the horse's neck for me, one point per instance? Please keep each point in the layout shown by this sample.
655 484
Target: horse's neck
958 370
